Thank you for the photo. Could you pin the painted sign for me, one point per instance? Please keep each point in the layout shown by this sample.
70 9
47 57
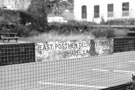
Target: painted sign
103 46
59 50
62 50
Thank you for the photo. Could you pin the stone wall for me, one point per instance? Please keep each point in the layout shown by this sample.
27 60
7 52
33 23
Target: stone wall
58 50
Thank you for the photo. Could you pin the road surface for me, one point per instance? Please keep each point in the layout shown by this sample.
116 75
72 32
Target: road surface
92 73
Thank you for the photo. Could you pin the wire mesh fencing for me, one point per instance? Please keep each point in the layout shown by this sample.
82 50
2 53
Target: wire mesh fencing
19 69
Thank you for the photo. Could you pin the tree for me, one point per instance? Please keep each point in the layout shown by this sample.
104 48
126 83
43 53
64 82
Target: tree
38 10
57 7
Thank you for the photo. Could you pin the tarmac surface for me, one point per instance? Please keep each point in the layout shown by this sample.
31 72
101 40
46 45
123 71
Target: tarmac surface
92 73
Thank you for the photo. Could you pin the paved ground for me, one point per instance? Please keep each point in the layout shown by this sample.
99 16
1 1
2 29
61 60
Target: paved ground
81 74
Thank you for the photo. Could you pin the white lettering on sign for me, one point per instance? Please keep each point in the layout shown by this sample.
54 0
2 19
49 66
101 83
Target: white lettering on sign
69 49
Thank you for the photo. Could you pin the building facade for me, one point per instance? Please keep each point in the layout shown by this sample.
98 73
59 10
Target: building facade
99 10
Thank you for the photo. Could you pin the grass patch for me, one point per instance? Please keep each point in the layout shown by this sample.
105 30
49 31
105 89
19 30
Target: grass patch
54 36
91 34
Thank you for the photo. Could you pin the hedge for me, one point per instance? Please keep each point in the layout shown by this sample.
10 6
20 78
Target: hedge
26 25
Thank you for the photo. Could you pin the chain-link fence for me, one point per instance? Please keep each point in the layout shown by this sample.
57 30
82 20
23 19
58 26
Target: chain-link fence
20 71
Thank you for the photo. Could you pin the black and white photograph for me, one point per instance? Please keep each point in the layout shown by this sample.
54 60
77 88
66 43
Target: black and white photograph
67 44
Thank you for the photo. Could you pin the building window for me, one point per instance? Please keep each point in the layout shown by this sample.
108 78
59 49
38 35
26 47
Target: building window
84 12
125 6
110 10
110 7
125 9
96 11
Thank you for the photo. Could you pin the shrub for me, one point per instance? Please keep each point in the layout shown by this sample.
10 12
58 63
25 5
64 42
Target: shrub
22 30
24 23
103 32
121 22
120 32
70 27
74 27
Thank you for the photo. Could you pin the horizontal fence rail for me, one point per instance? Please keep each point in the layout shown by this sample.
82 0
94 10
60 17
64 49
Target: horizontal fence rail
114 26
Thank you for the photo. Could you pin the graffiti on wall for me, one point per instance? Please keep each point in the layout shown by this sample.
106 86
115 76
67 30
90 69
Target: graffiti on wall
62 50
59 50
104 46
